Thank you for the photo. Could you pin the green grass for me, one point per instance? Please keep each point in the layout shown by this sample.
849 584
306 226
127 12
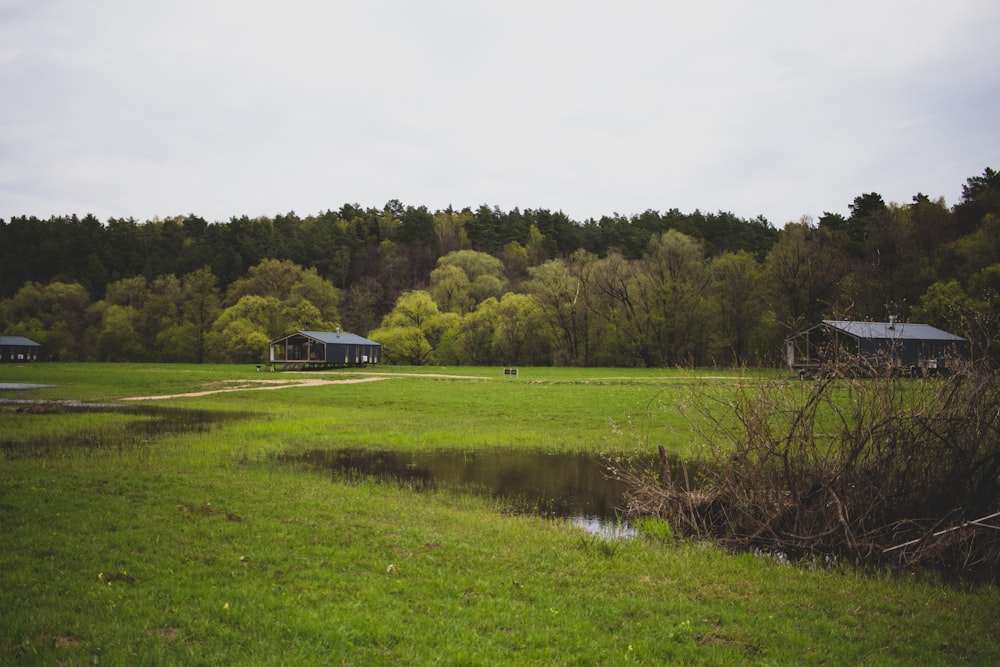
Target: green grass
192 548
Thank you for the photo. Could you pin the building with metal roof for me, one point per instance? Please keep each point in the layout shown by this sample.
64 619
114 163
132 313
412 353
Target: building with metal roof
319 349
18 348
875 345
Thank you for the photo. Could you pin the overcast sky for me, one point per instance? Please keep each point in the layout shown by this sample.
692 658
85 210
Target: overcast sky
222 108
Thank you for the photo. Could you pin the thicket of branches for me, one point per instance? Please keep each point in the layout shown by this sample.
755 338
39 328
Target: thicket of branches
874 470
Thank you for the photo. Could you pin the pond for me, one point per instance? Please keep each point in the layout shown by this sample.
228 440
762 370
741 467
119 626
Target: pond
577 487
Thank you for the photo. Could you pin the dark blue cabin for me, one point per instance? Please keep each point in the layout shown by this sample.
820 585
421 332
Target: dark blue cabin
875 345
304 349
18 348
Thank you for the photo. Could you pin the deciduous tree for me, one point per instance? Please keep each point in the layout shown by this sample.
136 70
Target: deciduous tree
675 288
484 272
417 326
243 331
804 272
739 296
519 337
476 334
557 293
201 307
450 289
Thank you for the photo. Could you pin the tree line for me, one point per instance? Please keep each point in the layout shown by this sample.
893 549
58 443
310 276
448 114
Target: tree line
486 286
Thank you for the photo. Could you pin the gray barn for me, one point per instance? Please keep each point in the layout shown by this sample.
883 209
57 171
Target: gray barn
304 349
889 344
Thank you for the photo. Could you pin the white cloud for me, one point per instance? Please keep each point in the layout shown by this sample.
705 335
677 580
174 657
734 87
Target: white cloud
225 108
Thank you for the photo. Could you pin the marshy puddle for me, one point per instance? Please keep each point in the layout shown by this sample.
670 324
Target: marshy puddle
573 486
149 424
16 386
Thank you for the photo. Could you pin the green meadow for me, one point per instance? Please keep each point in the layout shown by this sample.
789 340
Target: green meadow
124 543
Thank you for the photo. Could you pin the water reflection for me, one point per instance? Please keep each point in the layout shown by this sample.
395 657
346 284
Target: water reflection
578 487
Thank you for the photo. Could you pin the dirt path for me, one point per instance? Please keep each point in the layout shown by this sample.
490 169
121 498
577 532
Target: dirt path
447 376
290 382
258 385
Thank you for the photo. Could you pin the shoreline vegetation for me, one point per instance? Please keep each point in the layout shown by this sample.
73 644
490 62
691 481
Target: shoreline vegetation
193 547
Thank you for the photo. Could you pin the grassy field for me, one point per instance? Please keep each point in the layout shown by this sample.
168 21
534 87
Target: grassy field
123 546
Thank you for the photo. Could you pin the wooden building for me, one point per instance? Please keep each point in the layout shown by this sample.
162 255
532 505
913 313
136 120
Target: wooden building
18 348
320 349
873 345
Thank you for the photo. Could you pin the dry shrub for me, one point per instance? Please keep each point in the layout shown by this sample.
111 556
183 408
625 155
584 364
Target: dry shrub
873 469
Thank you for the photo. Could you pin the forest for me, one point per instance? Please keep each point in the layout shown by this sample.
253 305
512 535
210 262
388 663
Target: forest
489 287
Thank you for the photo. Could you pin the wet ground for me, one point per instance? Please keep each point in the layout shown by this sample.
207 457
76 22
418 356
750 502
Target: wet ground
578 487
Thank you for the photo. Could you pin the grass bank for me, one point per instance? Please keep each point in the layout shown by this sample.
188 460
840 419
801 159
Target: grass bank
191 548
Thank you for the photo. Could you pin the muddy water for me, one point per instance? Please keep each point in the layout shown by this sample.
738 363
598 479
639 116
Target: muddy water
574 486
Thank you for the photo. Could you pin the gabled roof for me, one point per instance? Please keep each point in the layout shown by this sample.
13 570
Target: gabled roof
891 330
336 337
19 341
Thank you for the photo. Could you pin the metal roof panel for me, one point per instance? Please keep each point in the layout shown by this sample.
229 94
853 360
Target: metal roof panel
18 340
891 330
335 337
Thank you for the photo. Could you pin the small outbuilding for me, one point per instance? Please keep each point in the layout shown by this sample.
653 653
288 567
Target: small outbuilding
18 348
319 349
875 345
